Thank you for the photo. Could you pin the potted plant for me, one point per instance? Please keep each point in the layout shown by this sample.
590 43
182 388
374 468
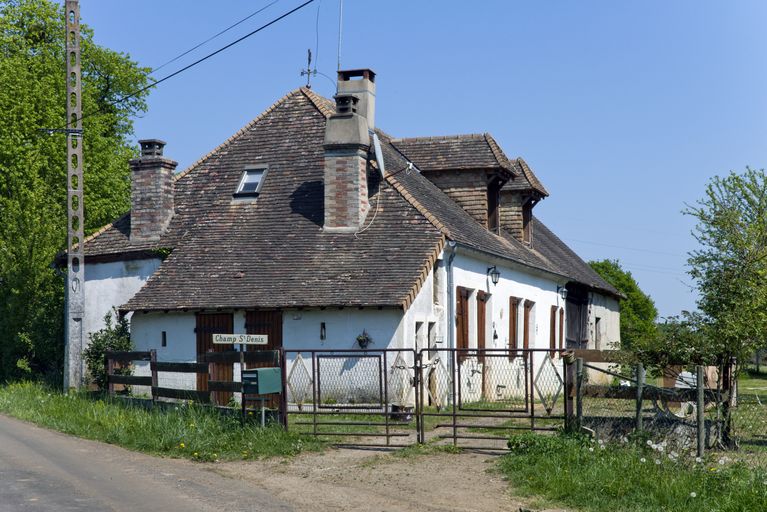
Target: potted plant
364 339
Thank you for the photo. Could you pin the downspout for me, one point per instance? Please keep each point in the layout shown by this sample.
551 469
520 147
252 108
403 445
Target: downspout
450 296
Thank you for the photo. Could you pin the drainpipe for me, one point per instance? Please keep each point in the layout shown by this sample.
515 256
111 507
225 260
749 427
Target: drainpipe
450 296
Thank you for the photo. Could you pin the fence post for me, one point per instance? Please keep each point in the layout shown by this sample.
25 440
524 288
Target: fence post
579 393
110 366
569 360
153 370
700 409
640 377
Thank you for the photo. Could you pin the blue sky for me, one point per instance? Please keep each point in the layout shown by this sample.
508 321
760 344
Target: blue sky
623 109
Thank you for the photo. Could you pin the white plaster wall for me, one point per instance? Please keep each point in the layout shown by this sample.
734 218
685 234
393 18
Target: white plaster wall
607 309
109 285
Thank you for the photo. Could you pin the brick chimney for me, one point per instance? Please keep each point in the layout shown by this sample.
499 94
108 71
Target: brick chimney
347 142
151 192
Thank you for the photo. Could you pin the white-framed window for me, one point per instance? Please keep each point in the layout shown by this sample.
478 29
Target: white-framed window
250 182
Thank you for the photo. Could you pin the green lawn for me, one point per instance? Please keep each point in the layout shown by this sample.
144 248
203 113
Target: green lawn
590 476
188 431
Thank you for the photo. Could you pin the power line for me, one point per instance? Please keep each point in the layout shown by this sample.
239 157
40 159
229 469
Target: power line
185 68
227 29
624 247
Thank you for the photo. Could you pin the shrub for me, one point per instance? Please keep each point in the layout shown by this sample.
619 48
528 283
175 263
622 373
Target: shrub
114 336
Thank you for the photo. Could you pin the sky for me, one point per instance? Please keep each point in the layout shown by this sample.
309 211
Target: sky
624 110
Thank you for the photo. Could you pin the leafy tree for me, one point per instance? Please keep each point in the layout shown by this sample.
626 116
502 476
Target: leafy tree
730 268
33 170
112 337
638 312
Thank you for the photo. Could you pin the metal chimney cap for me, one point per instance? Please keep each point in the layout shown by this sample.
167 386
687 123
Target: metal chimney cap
364 73
151 147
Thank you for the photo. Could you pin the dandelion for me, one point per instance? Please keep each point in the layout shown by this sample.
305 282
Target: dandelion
649 443
642 460
657 462
591 448
698 460
195 454
693 495
602 447
601 441
181 445
721 462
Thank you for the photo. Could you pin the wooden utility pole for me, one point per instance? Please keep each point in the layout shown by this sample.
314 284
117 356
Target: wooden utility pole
75 292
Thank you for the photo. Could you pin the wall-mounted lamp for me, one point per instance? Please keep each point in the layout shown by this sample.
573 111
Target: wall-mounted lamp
494 274
322 330
562 291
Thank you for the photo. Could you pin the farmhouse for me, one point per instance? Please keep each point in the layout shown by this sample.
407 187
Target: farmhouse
315 228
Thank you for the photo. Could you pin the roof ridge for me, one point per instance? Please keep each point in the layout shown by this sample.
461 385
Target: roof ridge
471 136
530 176
498 153
400 188
205 157
317 101
237 134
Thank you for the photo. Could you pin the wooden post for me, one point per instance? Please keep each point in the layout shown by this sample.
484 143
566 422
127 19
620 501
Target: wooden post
152 360
110 366
700 409
579 393
640 377
569 360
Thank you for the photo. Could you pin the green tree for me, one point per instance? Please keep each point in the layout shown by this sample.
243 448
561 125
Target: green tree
33 170
638 312
730 268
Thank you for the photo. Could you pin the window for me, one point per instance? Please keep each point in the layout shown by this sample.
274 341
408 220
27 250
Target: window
250 183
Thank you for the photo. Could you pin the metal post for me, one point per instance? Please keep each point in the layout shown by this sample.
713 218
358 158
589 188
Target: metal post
700 409
578 393
75 294
640 376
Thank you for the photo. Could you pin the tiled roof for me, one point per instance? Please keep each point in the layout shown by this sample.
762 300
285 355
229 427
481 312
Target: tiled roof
557 252
526 180
475 151
271 252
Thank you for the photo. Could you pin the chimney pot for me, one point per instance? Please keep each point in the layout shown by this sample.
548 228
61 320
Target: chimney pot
151 147
361 84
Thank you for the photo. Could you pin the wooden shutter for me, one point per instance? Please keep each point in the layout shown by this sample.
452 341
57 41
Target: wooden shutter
553 331
462 319
562 328
269 323
513 327
481 321
526 324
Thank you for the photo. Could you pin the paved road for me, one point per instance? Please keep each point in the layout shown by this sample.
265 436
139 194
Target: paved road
43 471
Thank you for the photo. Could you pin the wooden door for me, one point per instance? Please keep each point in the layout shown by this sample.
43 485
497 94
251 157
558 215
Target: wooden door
553 331
270 324
209 324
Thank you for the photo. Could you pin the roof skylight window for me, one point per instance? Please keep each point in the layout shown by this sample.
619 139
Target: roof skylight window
250 183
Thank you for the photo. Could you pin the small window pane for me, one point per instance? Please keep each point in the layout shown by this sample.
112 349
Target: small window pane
251 181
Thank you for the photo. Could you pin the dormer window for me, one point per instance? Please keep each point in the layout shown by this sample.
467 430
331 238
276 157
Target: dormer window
250 182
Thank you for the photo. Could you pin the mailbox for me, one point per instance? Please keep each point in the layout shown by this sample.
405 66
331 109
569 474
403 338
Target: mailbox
262 381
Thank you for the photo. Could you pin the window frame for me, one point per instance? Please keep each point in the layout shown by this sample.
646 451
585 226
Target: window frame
245 173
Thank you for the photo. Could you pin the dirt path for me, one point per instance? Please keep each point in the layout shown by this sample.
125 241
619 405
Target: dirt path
371 480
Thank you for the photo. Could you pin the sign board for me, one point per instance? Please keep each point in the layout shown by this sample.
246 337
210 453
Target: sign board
243 339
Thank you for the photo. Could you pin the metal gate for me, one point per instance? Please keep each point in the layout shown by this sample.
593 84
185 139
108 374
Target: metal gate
477 397
397 397
361 397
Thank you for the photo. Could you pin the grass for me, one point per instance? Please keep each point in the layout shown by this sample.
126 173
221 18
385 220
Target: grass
192 432
628 477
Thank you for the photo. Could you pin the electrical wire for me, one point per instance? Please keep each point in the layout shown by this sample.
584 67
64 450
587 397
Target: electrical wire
227 29
189 66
